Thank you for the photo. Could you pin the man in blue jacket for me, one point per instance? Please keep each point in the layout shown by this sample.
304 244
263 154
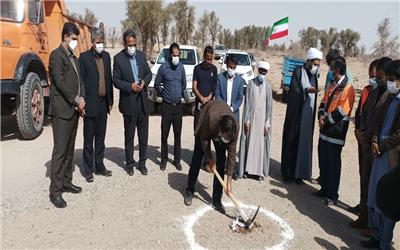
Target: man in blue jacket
230 87
172 75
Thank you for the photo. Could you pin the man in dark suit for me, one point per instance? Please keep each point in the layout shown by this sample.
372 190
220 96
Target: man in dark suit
66 103
217 124
95 65
131 76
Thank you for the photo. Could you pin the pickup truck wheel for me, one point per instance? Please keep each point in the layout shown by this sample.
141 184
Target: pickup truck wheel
30 107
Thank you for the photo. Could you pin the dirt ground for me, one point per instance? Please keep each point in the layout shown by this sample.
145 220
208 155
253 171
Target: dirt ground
147 212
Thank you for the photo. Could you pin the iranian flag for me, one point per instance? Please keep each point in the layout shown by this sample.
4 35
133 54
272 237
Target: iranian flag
278 30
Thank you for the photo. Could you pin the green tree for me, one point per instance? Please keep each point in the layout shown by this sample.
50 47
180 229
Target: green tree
145 19
348 39
328 39
202 31
385 46
309 37
89 17
214 27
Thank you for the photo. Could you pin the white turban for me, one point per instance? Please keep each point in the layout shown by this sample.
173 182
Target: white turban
263 65
314 53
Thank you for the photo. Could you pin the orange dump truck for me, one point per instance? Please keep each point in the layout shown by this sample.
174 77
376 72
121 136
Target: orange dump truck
30 30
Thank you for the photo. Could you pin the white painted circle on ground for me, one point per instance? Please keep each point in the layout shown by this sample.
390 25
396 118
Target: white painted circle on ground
189 221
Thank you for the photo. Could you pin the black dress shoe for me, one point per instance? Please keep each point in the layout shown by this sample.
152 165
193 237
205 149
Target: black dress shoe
130 171
219 207
58 201
178 166
371 243
188 198
103 172
329 202
163 166
260 178
143 170
89 178
245 176
319 193
71 188
355 210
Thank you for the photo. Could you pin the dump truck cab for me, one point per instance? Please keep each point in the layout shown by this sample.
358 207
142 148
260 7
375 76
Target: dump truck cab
30 30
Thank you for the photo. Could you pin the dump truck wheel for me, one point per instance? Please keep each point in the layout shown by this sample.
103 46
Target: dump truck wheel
30 110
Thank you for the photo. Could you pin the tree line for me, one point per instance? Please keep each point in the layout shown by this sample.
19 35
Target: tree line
161 24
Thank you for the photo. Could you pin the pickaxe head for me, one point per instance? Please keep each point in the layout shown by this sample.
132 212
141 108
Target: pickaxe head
240 223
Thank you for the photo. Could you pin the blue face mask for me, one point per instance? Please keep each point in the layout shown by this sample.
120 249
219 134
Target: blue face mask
260 78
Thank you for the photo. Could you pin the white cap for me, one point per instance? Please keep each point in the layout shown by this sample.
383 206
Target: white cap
263 65
314 53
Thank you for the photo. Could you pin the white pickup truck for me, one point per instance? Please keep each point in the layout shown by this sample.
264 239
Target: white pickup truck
189 57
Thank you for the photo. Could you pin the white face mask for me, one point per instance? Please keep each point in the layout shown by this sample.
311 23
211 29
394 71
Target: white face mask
175 60
73 44
99 48
260 78
372 82
392 88
314 69
231 72
224 140
131 50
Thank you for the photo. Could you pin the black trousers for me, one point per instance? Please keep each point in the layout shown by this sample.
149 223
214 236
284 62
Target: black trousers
195 165
138 120
95 128
365 161
330 164
64 134
171 114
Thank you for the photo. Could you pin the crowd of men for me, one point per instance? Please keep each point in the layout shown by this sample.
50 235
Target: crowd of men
84 87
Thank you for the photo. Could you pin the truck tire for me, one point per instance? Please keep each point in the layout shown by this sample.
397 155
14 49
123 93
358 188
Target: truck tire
30 107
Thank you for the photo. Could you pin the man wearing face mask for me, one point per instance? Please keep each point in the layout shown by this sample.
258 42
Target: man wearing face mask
256 132
172 75
95 66
385 148
216 124
368 125
298 130
131 75
230 87
66 104
364 170
334 118
330 58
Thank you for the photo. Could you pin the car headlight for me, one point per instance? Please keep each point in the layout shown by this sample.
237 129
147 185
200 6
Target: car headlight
189 78
249 73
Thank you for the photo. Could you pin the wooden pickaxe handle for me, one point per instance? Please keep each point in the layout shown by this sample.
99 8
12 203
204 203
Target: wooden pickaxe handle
233 199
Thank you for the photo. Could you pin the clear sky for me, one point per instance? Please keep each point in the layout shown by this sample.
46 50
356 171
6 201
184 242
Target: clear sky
361 16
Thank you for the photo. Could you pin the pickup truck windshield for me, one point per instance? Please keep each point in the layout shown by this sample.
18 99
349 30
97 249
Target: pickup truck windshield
187 56
243 60
12 11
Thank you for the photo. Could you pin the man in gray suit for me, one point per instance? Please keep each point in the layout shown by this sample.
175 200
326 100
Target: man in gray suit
66 104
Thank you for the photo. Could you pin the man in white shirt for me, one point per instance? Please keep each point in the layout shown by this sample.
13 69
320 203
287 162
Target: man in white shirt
230 87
